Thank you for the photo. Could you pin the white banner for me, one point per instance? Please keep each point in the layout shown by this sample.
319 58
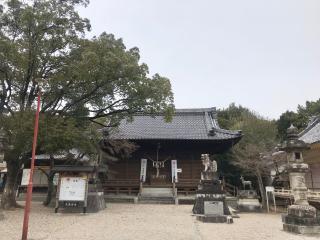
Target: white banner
143 170
174 171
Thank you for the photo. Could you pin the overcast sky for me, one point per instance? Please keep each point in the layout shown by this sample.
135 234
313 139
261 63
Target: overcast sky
262 54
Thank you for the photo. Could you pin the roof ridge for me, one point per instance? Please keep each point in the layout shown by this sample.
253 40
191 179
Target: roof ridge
195 110
179 111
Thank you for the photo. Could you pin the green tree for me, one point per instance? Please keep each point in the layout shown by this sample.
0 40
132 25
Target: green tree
84 83
300 118
251 154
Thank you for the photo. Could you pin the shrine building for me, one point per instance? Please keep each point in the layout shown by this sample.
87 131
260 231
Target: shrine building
168 153
311 135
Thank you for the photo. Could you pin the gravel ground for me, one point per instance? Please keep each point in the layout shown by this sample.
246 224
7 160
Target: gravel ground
140 222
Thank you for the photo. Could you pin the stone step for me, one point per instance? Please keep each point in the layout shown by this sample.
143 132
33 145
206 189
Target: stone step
156 192
155 200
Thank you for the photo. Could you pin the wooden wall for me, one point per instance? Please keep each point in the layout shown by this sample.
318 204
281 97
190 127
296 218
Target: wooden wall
130 168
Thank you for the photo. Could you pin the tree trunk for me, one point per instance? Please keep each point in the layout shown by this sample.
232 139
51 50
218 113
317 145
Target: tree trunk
8 199
50 190
262 190
50 177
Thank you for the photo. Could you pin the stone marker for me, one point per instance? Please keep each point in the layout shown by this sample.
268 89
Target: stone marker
213 208
248 201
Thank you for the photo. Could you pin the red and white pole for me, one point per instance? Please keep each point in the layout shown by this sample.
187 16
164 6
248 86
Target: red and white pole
30 185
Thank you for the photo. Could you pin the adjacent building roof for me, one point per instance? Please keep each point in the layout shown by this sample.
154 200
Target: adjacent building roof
186 124
312 132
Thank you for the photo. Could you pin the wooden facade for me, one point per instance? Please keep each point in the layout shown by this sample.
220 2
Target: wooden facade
191 133
311 135
312 157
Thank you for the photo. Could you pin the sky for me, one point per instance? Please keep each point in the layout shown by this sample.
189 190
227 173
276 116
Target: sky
261 54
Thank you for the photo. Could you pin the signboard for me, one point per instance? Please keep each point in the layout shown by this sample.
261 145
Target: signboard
72 189
269 189
174 171
143 170
39 178
25 177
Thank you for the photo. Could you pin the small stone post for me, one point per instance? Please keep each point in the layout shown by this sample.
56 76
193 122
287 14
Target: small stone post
301 217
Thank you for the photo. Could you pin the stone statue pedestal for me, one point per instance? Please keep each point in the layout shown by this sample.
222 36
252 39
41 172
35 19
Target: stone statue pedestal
301 217
95 199
210 204
208 176
248 201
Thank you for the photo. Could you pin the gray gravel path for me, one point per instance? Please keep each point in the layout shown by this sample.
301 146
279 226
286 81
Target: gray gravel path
141 222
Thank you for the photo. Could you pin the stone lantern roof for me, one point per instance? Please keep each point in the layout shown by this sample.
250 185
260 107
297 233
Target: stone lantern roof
293 143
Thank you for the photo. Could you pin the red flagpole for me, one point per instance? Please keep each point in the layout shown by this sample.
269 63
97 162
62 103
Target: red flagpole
30 185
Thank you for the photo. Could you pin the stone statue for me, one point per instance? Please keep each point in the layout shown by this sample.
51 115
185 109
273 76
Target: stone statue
245 183
210 203
209 166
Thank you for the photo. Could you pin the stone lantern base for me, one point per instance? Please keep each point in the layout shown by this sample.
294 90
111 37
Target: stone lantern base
210 204
301 219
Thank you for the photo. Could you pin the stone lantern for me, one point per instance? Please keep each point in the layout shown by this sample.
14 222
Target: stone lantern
301 217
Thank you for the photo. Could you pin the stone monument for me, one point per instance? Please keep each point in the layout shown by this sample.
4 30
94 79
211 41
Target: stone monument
248 200
210 204
301 217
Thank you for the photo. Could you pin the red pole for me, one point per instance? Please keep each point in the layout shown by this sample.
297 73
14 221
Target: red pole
30 185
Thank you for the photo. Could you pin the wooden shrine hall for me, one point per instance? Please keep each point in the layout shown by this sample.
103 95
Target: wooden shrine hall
168 153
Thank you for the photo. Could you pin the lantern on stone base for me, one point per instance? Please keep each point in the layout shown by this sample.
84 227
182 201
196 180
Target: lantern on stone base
301 217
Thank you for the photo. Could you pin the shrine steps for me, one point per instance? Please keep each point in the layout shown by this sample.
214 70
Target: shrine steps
156 200
156 195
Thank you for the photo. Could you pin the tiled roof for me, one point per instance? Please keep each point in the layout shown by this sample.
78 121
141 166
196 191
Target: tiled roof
186 124
312 133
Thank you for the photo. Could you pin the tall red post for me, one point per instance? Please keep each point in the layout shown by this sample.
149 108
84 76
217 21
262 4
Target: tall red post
30 185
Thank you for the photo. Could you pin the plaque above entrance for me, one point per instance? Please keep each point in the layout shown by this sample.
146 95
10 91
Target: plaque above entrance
161 179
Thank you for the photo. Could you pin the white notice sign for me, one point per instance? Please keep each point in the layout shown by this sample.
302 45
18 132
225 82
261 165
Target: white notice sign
72 189
25 177
143 170
269 189
55 179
